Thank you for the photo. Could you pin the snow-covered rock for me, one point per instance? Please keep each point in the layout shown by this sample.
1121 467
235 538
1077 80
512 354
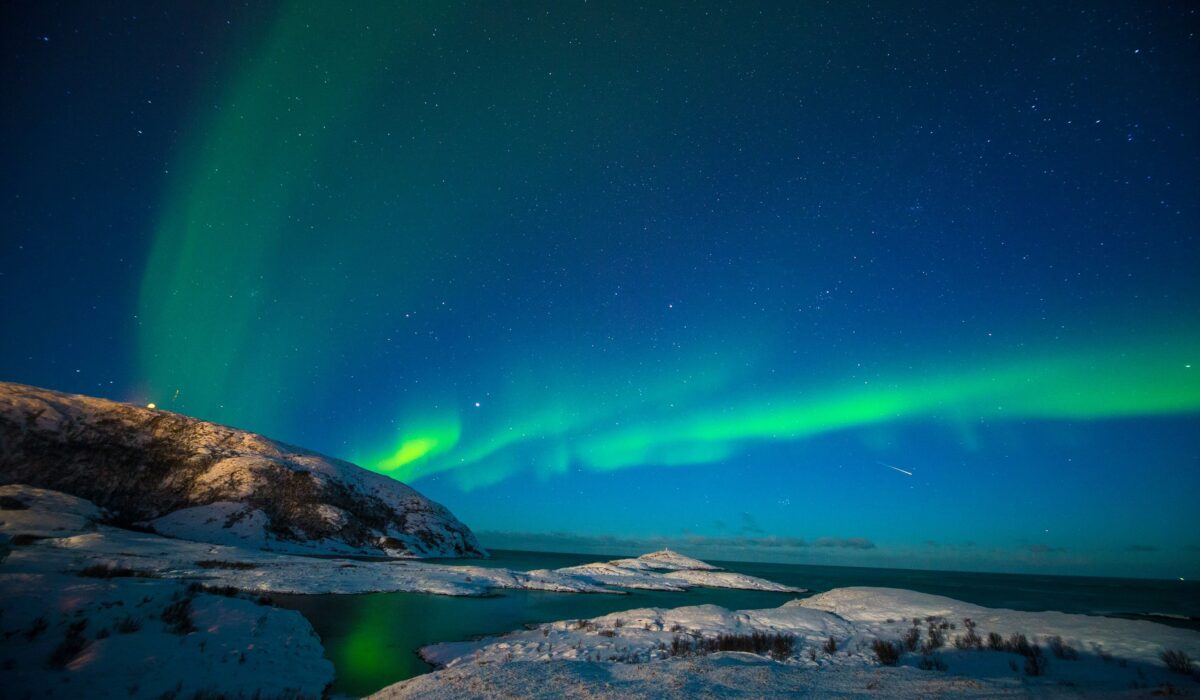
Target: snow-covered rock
49 532
201 481
664 560
655 652
669 571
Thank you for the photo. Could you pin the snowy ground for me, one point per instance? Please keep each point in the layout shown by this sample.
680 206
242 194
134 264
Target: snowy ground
97 611
89 610
61 533
71 637
655 653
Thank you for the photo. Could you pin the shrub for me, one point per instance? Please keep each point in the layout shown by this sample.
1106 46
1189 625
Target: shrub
1177 661
1018 644
931 663
220 564
227 591
1061 649
830 646
39 625
1035 663
114 571
71 645
888 653
912 638
607 633
995 642
970 640
12 503
681 646
934 638
778 646
782 646
128 625
178 616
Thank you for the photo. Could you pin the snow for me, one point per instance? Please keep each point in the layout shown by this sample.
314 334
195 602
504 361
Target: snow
628 654
727 579
1132 640
237 646
74 541
46 513
669 571
196 480
666 560
239 527
48 538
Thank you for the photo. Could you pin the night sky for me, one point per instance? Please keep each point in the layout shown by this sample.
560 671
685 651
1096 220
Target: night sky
817 282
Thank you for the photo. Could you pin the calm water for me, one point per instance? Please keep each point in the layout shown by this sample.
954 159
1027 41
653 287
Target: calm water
372 639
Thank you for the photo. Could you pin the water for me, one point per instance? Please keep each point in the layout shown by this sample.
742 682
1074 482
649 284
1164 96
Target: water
372 639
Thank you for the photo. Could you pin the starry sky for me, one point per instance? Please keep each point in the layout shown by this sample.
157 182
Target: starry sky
810 282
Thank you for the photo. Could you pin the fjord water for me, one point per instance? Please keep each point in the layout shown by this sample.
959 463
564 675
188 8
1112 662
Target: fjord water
372 639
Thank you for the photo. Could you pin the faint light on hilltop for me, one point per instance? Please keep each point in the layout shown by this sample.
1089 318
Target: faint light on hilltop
151 405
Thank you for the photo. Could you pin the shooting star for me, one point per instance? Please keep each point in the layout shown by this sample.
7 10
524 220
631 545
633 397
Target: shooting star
902 471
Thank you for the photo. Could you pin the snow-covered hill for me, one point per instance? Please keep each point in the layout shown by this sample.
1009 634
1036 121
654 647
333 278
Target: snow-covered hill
665 570
200 481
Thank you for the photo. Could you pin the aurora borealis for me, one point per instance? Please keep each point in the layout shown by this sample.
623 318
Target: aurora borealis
668 272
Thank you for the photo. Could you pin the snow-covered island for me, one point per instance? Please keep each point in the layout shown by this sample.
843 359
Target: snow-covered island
846 643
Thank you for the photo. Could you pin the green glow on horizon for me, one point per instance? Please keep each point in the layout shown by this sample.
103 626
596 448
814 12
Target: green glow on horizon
1142 381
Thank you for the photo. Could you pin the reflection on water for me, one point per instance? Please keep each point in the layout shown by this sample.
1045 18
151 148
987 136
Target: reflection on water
372 638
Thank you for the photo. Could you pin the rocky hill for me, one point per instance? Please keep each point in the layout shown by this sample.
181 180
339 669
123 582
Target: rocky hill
201 481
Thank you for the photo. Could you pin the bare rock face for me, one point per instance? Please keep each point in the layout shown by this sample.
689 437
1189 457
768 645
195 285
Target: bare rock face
201 481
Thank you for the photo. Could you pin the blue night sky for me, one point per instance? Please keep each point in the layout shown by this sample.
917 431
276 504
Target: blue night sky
809 282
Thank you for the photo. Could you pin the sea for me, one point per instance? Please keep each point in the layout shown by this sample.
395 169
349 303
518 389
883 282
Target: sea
372 639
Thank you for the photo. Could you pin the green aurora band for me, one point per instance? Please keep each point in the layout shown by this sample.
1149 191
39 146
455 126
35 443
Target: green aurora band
1145 381
231 305
229 285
